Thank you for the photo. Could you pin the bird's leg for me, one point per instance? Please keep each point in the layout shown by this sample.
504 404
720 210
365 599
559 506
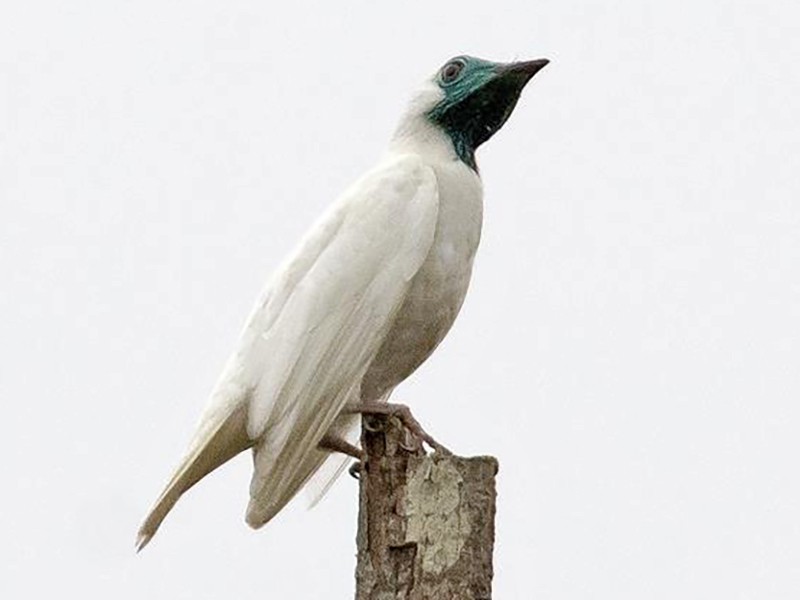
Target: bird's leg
332 443
402 412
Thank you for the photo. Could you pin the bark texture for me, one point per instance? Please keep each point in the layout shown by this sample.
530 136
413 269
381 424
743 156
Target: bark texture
426 522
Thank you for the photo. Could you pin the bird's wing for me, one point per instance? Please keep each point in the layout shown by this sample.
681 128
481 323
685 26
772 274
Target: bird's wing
310 337
309 356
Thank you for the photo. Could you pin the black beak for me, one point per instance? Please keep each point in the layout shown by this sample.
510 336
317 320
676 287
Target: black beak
478 116
521 72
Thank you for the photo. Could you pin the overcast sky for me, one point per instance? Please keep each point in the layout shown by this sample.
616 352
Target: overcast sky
628 350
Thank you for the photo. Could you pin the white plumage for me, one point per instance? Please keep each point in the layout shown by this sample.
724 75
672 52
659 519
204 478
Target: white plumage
362 302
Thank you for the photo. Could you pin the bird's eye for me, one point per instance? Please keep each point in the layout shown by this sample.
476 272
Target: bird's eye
451 71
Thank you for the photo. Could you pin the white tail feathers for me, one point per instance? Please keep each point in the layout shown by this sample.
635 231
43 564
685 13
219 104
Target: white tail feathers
214 445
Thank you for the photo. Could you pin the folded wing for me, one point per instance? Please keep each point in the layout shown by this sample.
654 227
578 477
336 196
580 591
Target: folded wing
311 338
311 358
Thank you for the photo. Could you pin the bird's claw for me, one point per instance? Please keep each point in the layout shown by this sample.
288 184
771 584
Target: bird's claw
412 426
369 424
439 449
400 411
416 441
411 443
354 470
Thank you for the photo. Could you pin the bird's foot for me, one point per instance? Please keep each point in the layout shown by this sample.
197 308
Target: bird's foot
332 443
403 413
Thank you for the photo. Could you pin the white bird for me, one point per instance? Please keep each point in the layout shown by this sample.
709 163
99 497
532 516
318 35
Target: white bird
365 298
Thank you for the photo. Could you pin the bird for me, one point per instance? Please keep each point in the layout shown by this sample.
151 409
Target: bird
365 298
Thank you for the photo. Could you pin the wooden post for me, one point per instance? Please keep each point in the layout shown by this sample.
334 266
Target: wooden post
425 523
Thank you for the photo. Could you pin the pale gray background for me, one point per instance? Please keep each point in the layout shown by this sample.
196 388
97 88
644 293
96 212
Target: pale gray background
629 348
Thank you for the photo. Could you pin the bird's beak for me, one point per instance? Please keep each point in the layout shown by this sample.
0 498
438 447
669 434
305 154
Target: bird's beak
488 103
521 72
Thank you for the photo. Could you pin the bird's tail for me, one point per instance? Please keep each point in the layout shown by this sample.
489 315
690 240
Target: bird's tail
213 446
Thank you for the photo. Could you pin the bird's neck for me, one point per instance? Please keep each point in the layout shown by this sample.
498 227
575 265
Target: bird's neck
417 134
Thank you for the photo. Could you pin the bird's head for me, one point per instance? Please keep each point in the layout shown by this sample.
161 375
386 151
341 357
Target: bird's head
470 99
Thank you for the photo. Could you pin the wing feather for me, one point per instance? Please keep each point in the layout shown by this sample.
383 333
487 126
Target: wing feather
316 340
310 338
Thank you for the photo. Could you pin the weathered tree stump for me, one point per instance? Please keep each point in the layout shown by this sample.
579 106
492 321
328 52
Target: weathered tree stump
425 523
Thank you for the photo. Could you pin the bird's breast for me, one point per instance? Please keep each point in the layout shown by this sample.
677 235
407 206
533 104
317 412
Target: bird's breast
437 291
